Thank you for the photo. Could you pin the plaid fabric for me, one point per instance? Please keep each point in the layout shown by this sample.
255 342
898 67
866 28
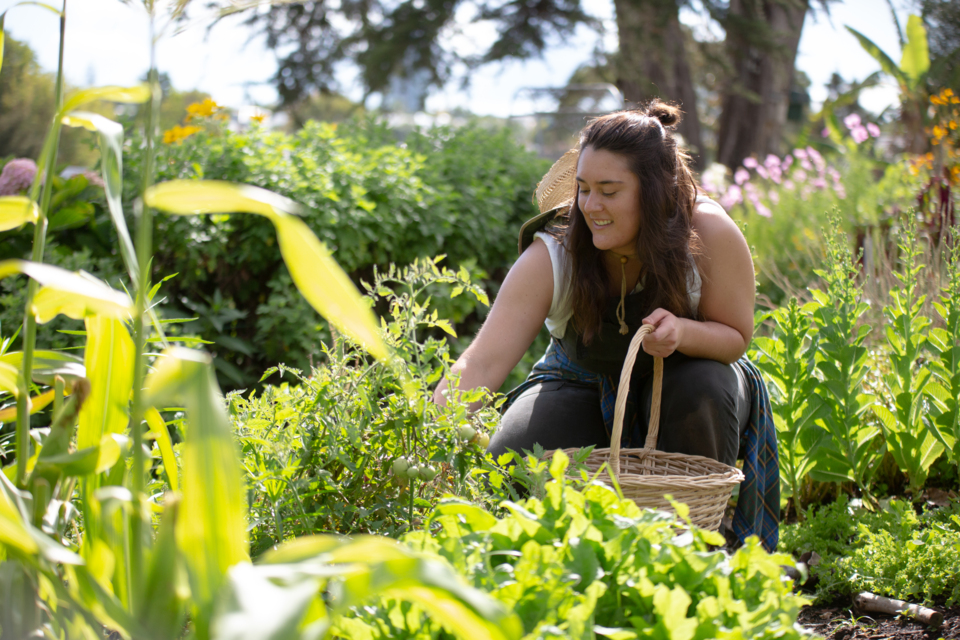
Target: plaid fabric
758 504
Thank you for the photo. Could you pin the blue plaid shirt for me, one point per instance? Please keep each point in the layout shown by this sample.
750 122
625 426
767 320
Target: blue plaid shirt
758 502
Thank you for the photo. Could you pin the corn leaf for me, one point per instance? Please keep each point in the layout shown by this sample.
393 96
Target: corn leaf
162 610
37 403
13 531
211 528
109 361
317 275
159 428
129 95
73 294
17 210
916 56
111 166
9 379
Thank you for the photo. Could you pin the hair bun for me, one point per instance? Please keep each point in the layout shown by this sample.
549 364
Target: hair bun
669 115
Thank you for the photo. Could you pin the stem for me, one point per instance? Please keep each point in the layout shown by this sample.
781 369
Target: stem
144 256
48 161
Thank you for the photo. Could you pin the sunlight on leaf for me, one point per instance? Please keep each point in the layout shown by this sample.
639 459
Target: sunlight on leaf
127 95
212 527
12 529
73 294
107 358
10 380
916 55
159 429
111 166
17 210
317 275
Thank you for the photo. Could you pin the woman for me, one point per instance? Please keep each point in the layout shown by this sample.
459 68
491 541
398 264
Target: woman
634 224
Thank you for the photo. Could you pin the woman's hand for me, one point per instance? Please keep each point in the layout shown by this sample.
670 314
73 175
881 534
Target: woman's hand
668 334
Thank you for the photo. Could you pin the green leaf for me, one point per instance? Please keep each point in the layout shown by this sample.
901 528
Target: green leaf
108 359
888 65
127 95
916 56
13 531
162 609
17 210
318 277
9 379
111 166
72 294
253 607
211 529
159 429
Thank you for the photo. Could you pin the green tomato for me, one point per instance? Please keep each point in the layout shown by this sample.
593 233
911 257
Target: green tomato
413 472
400 466
483 441
467 433
427 473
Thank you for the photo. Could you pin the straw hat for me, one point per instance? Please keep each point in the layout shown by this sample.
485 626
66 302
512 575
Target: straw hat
555 193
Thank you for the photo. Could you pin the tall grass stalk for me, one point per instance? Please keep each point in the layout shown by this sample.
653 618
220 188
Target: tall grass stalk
48 163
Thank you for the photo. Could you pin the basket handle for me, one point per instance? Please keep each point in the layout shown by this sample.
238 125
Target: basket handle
620 407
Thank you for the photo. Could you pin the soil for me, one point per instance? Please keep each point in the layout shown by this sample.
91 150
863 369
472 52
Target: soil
840 623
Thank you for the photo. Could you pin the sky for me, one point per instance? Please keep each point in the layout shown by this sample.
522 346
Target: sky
107 43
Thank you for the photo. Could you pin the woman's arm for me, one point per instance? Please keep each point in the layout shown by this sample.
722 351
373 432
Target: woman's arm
518 313
726 296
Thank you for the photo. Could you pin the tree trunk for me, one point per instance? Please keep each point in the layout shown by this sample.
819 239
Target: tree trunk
762 40
653 63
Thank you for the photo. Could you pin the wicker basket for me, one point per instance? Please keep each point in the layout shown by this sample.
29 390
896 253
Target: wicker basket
646 475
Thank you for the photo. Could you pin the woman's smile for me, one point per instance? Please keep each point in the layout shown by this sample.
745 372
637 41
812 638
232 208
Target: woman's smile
609 198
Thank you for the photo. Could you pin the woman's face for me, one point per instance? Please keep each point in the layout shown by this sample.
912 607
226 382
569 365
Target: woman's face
609 198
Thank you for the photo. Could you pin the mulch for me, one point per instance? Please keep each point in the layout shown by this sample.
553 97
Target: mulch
840 623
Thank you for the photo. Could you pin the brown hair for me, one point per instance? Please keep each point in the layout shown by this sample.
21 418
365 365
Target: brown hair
668 193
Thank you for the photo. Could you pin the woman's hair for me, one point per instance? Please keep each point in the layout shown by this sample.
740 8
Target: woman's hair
668 193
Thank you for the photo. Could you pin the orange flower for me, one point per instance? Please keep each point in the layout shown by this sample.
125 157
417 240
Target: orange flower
179 134
203 109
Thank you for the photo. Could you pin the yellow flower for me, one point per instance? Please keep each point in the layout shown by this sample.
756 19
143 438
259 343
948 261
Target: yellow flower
203 109
179 134
259 118
934 100
947 93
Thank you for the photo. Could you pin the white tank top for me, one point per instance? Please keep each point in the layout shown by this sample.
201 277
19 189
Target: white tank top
561 307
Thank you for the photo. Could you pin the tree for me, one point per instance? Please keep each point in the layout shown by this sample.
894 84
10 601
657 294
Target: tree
397 38
26 109
653 62
26 102
762 41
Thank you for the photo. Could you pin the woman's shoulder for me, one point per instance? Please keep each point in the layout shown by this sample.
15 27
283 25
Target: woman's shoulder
712 223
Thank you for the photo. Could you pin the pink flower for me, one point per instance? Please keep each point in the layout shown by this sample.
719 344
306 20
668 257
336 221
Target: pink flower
800 175
741 176
841 192
873 130
788 185
17 176
805 165
852 121
775 174
750 163
771 161
816 157
774 198
762 172
800 153
733 196
859 134
820 183
787 162
761 209
825 133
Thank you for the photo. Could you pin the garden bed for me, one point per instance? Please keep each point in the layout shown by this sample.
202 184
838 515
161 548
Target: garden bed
842 623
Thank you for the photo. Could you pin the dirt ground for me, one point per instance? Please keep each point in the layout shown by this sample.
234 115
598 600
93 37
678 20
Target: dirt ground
839 623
